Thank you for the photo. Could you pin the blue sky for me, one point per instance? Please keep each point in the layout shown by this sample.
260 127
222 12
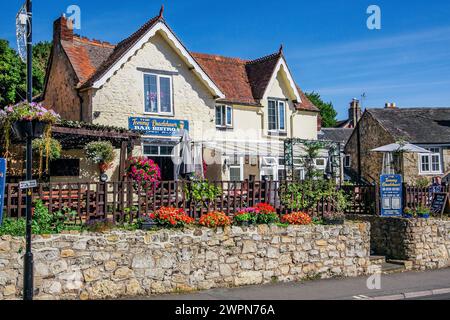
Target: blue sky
327 44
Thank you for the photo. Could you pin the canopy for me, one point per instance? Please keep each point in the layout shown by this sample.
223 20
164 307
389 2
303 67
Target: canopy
396 147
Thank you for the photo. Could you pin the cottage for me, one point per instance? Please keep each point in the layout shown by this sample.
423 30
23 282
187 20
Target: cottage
426 127
237 111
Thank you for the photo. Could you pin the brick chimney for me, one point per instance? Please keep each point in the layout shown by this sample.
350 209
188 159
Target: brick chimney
354 112
62 30
390 105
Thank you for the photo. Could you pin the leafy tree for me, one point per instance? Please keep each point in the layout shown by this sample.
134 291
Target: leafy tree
13 72
327 111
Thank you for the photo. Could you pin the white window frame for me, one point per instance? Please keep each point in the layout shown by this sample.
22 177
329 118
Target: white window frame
158 90
227 122
159 150
430 161
321 167
277 113
347 164
234 166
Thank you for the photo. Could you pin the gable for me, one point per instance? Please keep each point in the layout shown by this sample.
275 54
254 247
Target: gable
282 74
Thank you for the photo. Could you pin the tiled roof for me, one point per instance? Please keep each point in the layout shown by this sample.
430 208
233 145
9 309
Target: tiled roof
415 125
340 135
86 55
242 81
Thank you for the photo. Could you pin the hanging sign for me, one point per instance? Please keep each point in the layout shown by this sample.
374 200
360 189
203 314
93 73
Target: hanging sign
2 186
158 126
27 184
391 186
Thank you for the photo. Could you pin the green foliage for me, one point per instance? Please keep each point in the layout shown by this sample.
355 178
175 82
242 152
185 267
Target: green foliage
422 210
100 152
202 192
39 146
327 111
267 218
13 227
422 182
244 217
306 194
13 72
312 149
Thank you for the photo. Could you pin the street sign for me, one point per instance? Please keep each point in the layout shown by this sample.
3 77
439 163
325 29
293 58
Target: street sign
391 195
27 184
2 186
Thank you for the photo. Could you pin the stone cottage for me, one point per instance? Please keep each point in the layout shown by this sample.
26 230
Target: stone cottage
426 127
237 111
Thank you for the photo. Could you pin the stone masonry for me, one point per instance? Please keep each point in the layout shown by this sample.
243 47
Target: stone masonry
119 264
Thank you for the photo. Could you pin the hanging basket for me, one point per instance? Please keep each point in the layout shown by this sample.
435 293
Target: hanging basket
23 129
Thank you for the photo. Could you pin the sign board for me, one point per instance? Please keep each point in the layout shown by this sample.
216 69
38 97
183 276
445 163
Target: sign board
27 184
440 202
2 186
157 126
391 195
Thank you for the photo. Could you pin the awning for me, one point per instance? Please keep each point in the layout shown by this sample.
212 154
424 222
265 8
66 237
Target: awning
396 147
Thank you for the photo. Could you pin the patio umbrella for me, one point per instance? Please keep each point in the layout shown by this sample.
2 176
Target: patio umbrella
186 166
397 147
388 157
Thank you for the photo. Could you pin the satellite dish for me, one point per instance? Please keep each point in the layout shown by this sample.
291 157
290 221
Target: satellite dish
21 33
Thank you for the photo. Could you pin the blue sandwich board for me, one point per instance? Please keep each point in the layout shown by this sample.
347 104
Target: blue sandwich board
2 186
391 186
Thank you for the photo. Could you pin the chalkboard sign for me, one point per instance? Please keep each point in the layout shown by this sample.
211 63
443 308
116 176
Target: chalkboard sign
440 203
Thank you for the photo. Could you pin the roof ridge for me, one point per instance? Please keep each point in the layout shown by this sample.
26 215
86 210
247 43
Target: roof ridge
214 56
265 58
94 42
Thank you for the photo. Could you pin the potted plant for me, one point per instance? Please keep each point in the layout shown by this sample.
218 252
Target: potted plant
48 149
334 218
423 212
101 153
25 119
408 213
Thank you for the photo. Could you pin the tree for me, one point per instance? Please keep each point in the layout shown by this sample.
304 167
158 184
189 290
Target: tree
327 111
13 72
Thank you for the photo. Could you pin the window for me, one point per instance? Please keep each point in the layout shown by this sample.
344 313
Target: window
65 168
158 151
321 163
236 166
347 161
277 115
158 94
430 162
224 116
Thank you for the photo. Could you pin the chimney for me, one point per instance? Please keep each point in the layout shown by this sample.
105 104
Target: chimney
62 30
390 105
354 112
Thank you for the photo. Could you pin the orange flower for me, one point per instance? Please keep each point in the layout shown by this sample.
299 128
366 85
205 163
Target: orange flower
297 218
215 219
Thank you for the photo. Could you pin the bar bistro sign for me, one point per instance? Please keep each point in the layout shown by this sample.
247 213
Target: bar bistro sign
157 126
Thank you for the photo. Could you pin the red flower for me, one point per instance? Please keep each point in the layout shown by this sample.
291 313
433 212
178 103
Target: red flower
297 218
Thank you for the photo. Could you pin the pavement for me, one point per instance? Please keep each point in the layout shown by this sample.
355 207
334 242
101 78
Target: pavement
429 285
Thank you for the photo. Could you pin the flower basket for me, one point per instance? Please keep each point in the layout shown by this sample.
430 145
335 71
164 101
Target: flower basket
23 129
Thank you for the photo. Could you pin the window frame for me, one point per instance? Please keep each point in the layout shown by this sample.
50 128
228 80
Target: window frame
160 155
429 157
158 90
226 123
240 165
277 114
347 164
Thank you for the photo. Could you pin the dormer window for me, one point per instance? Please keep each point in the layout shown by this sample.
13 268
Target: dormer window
224 116
277 116
158 94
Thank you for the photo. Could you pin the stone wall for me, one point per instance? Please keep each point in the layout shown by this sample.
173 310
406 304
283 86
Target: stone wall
424 242
118 264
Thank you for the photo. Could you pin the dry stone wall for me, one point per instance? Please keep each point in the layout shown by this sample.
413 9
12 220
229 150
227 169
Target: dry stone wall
119 263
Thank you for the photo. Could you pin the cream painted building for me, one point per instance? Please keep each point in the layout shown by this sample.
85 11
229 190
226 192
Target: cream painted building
237 112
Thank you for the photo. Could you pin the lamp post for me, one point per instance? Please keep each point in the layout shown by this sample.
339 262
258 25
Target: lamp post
28 259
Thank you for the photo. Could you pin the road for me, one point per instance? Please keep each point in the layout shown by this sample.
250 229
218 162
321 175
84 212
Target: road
409 285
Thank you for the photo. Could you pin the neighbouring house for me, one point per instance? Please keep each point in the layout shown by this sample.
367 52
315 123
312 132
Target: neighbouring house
354 114
426 127
238 112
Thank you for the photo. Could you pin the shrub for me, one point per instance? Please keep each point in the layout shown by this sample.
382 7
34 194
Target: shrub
100 152
202 192
245 215
297 218
215 219
144 172
171 217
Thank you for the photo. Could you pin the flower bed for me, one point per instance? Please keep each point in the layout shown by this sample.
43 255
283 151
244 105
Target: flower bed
215 219
171 217
297 218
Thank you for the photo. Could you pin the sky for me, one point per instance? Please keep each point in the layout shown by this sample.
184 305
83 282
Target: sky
327 44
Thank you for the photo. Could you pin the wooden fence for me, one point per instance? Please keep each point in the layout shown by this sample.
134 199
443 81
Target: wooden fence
115 199
413 196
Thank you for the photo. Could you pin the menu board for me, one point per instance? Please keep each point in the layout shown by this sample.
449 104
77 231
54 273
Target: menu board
440 203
